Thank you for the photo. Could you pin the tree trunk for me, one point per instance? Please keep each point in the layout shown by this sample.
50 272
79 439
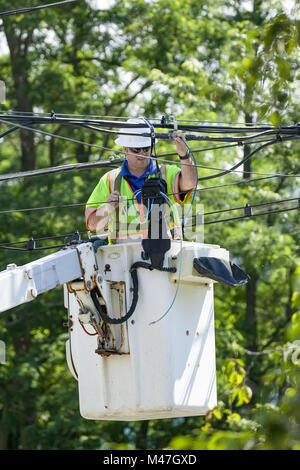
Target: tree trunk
289 310
141 438
247 150
3 434
18 48
251 319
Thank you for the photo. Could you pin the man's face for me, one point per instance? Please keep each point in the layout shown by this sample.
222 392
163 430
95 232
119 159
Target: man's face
138 157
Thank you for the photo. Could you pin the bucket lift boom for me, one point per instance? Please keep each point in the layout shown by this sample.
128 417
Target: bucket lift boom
21 284
134 369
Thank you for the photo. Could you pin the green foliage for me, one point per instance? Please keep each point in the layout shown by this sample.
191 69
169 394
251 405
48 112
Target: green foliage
200 60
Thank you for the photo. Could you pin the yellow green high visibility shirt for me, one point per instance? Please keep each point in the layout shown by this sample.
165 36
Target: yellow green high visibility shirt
133 216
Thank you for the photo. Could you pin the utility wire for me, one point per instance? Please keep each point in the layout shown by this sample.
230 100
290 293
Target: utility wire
269 142
246 216
98 203
62 168
248 210
79 123
29 9
113 163
243 217
222 170
253 180
52 247
244 160
259 130
281 201
249 205
49 134
34 113
49 237
293 129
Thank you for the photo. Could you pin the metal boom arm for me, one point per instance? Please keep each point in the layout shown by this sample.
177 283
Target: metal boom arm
21 284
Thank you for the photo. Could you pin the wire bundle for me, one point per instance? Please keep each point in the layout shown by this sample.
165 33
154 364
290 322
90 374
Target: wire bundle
21 11
263 135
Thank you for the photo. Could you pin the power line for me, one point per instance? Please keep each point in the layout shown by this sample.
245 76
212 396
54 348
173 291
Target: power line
52 247
269 142
80 204
113 163
268 203
244 160
247 214
82 166
222 170
271 175
33 209
49 237
243 217
62 168
74 238
29 9
217 129
56 136
34 113
53 117
253 180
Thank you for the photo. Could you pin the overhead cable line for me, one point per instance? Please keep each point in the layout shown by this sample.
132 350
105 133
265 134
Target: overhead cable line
232 169
81 204
49 134
49 237
269 142
52 247
209 222
246 216
291 131
125 118
261 204
244 160
271 175
62 168
259 130
90 124
69 239
113 162
20 11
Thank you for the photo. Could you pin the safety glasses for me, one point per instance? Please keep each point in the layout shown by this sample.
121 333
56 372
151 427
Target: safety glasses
138 149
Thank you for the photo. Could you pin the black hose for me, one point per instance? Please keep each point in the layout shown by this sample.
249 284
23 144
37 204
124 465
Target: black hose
133 271
117 321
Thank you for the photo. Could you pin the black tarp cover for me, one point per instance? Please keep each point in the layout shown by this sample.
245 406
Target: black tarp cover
219 270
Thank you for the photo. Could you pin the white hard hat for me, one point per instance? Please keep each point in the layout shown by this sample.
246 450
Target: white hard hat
134 140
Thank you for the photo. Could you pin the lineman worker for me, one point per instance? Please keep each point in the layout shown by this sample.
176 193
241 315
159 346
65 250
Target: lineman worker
123 186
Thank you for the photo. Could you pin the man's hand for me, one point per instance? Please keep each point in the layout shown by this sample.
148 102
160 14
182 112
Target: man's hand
180 145
99 219
188 175
113 200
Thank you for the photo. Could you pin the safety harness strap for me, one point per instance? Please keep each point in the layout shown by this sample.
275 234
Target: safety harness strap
115 180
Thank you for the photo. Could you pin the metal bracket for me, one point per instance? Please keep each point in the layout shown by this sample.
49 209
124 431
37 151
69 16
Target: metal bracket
88 263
